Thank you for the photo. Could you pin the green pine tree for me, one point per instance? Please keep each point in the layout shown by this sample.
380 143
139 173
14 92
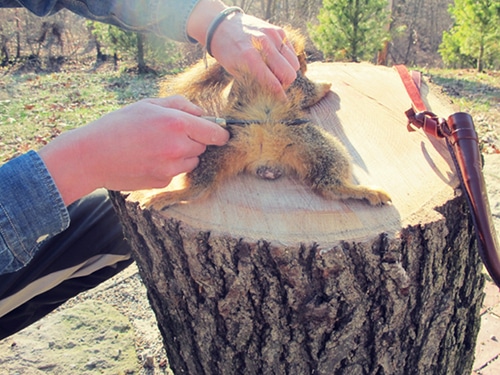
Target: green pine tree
351 30
474 38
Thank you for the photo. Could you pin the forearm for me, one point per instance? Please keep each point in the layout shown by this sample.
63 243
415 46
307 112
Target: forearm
68 164
166 18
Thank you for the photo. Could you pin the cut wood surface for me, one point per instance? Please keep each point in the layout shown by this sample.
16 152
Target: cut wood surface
265 277
365 110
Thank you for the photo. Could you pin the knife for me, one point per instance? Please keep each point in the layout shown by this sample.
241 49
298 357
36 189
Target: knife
232 122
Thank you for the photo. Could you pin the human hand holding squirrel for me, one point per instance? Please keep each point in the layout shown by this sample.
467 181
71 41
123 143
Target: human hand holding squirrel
246 45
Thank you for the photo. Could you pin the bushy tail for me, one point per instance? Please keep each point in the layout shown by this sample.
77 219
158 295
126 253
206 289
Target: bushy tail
203 83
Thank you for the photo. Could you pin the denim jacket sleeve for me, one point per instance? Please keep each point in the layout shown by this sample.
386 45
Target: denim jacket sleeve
31 209
163 17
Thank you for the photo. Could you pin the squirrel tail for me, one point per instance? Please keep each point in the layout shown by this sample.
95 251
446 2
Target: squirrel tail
203 82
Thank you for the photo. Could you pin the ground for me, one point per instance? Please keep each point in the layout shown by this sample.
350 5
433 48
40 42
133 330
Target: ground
488 342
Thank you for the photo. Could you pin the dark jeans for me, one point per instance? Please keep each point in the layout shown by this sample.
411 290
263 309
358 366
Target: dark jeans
90 251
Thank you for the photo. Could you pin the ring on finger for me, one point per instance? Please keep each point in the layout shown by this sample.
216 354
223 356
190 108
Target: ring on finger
283 44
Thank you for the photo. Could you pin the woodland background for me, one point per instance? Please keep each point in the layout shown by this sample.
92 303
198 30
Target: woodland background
50 43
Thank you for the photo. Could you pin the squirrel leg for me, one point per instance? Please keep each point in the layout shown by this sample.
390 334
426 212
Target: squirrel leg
216 165
326 167
310 92
197 184
345 189
164 200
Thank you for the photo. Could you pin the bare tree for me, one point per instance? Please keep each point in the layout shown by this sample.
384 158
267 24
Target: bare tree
51 33
417 30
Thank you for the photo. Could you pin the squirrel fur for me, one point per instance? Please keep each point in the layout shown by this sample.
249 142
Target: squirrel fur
272 143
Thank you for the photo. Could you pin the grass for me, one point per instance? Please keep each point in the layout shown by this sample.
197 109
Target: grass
34 108
477 94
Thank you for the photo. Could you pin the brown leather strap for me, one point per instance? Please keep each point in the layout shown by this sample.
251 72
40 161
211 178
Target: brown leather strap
425 120
462 141
463 145
412 88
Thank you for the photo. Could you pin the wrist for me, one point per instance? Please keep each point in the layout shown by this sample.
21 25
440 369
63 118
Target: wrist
68 166
201 17
221 17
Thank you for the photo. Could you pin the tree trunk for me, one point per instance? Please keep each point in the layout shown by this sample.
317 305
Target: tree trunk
480 57
383 54
18 36
265 277
141 62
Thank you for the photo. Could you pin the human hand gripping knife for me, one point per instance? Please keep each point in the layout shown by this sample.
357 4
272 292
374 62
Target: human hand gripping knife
462 141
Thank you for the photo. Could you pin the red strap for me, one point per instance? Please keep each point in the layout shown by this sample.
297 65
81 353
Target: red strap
412 88
417 78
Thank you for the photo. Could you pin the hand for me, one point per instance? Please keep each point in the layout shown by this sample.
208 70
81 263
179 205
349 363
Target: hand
139 146
248 44
243 43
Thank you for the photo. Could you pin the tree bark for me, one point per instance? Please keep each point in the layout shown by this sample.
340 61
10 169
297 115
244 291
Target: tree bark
267 278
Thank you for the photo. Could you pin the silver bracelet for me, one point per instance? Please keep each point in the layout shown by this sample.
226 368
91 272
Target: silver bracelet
216 22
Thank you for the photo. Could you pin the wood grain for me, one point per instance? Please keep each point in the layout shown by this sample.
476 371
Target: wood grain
365 110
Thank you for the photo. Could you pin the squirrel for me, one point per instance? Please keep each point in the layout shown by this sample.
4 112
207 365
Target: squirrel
275 140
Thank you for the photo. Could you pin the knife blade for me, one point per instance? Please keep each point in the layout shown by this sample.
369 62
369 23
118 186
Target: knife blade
229 122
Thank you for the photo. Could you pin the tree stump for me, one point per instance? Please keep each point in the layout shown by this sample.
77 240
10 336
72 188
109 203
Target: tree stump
265 277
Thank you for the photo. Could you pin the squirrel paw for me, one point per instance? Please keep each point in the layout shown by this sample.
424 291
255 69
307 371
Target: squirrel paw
165 200
377 197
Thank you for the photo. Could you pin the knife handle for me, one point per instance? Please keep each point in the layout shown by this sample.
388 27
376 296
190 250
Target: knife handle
218 120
